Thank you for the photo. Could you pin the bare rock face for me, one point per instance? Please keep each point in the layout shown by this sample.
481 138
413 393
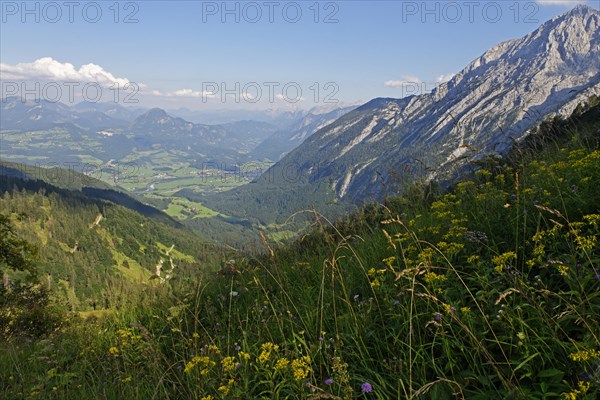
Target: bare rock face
492 102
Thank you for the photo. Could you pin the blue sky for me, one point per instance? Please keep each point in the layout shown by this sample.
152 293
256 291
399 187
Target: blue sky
183 53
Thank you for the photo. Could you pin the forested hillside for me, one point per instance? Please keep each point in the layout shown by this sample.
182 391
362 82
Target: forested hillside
88 246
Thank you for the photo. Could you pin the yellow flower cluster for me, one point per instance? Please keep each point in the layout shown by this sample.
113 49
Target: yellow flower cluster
563 270
204 363
226 388
228 364
389 261
301 367
582 388
432 278
373 272
584 355
282 364
503 259
128 336
266 350
375 283
592 219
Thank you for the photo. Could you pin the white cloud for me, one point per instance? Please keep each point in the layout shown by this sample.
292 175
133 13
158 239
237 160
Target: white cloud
47 68
404 81
559 2
191 93
443 78
281 97
183 93
412 81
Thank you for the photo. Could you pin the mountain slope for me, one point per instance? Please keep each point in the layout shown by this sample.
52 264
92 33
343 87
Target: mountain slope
71 180
376 149
87 244
281 142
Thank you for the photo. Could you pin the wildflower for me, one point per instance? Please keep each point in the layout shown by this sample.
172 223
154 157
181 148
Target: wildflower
582 389
267 349
209 397
281 364
465 310
563 270
228 364
473 259
475 237
301 367
203 361
223 389
113 351
188 367
375 283
366 387
127 380
502 260
448 308
432 277
328 381
584 355
244 355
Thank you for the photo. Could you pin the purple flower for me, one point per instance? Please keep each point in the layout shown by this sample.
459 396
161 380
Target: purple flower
452 309
321 338
328 381
437 317
366 387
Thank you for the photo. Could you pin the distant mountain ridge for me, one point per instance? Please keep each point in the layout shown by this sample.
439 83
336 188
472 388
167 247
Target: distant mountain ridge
32 115
373 151
115 130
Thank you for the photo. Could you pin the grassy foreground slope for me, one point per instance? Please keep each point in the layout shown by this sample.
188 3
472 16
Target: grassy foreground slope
490 290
